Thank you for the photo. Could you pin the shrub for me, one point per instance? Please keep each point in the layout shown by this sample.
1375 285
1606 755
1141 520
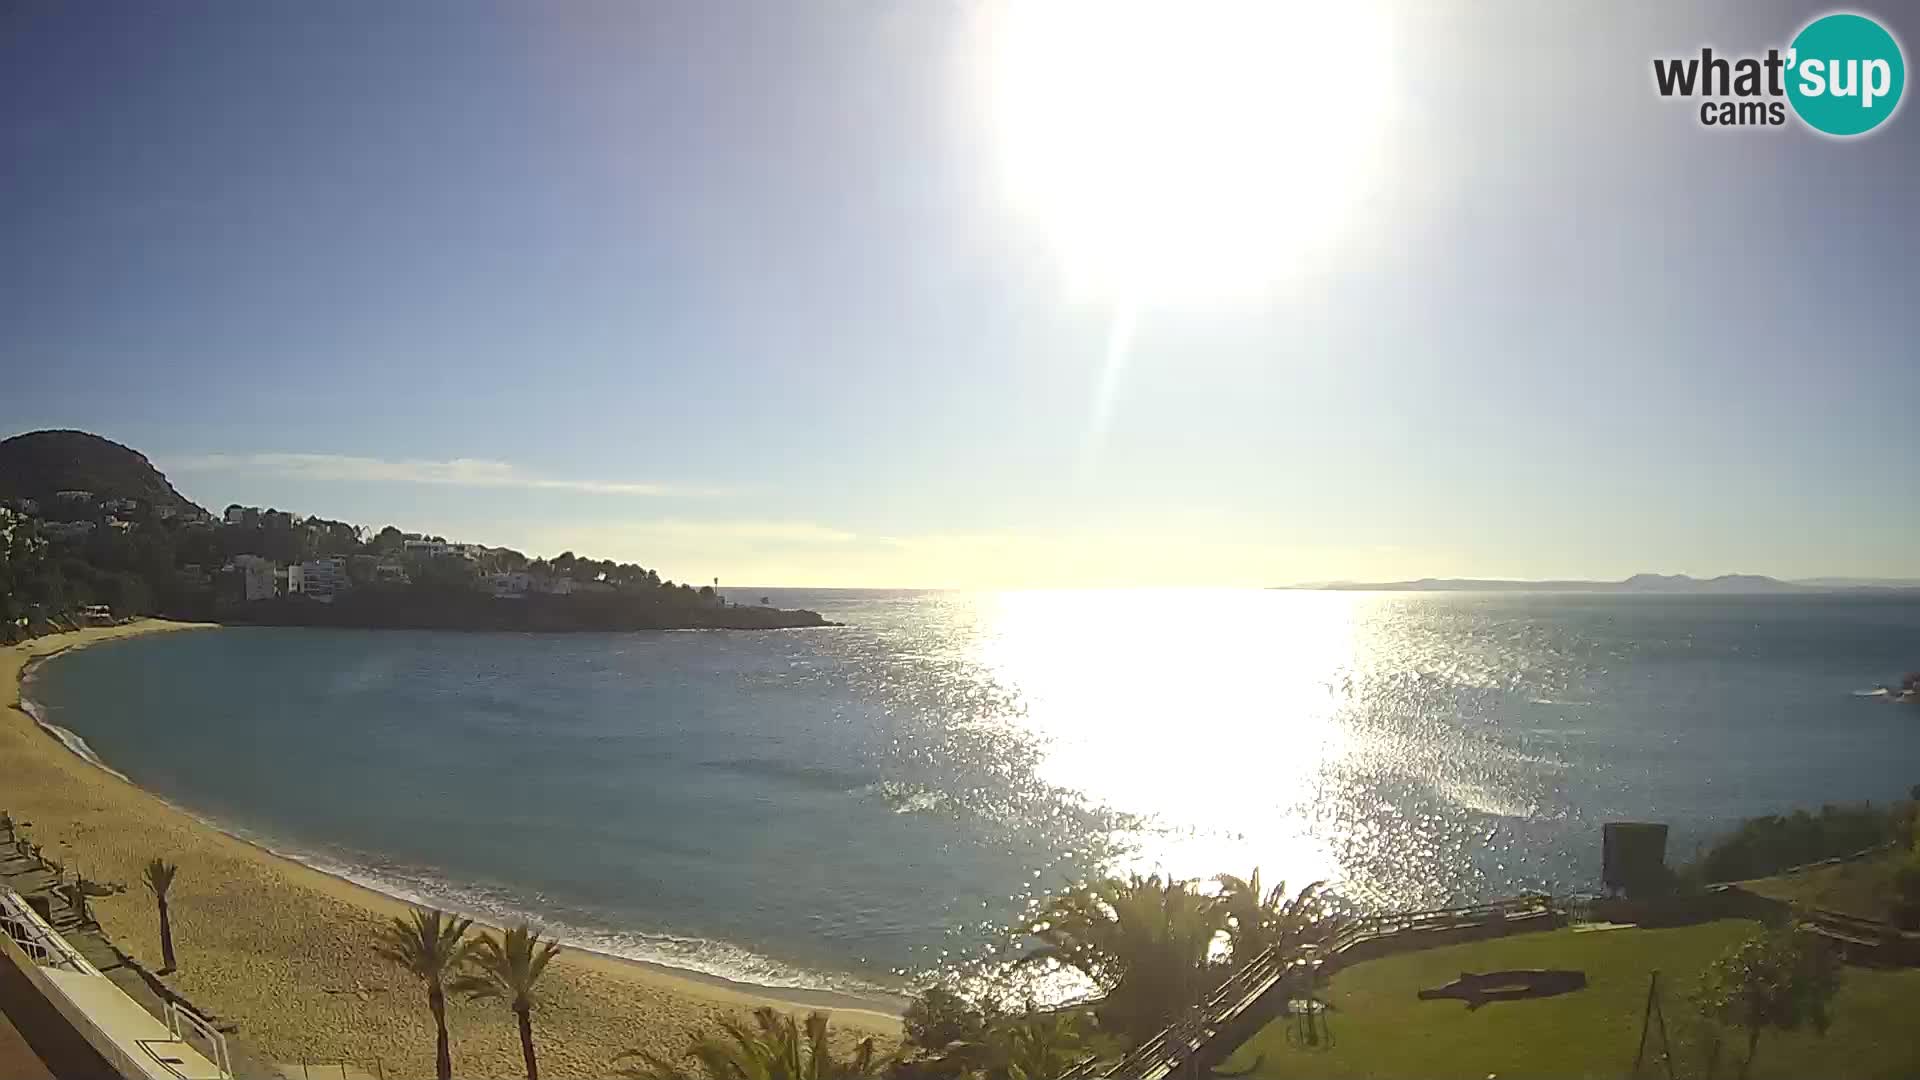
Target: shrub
1768 845
1906 894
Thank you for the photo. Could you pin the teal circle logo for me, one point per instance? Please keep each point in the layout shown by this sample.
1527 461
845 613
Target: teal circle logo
1845 74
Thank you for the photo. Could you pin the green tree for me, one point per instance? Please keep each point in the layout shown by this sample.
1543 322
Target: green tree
158 877
938 1018
1147 942
432 946
1781 979
1259 921
774 1048
508 969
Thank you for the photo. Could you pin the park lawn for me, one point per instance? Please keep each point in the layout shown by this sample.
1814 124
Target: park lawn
1381 1030
1858 887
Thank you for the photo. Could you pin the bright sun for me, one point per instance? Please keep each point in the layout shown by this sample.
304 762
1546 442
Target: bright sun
1189 152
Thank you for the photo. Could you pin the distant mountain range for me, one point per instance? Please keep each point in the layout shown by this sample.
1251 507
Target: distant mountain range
1638 583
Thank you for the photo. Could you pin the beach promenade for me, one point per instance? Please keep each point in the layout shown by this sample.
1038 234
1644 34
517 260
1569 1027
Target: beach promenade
280 955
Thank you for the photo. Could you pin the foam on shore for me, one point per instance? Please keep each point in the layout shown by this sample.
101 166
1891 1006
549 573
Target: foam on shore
282 948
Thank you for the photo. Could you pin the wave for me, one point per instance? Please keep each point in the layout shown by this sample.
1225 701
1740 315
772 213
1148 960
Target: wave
501 907
696 955
1878 691
1553 701
70 739
801 774
1485 800
906 798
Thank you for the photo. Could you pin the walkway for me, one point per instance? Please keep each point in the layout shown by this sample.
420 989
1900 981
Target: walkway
1244 1004
26 877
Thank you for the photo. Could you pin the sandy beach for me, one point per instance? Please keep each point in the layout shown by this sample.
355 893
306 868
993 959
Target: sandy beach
283 951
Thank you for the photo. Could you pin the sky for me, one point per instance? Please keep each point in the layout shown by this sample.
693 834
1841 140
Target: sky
821 292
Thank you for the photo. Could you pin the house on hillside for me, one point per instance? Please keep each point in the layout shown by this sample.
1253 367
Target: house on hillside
509 585
257 577
66 530
323 579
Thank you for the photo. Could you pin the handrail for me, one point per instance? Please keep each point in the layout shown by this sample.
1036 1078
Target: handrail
1163 1052
35 938
186 1025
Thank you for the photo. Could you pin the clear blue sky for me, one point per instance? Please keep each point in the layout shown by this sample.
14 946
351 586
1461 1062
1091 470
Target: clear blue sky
745 290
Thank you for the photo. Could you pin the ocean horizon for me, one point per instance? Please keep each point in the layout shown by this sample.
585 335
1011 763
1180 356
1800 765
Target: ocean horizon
861 808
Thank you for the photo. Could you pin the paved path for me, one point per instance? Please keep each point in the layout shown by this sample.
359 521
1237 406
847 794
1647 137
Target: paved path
27 879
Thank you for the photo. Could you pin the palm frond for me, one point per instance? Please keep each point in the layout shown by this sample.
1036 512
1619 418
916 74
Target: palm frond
428 944
158 876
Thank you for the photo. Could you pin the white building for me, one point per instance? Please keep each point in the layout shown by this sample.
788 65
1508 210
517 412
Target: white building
432 549
510 585
256 575
322 579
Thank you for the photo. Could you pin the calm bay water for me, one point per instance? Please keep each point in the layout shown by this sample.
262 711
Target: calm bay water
842 807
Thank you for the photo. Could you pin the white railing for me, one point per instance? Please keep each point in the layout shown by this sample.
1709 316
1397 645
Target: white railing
36 938
190 1028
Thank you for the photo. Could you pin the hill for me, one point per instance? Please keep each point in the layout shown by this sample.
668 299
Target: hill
1638 583
41 463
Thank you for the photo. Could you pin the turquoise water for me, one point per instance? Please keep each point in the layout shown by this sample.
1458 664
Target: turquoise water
848 807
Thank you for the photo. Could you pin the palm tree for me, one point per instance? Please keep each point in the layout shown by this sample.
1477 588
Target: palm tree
1037 1046
1257 922
508 970
158 877
1147 942
431 946
772 1050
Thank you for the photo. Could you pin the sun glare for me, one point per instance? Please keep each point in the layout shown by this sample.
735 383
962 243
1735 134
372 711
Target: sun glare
1189 151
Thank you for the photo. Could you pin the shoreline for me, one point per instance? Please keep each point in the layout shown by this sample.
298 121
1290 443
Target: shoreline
285 980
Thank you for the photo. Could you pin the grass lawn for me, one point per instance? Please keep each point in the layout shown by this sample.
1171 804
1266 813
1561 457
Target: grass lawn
1382 1030
1861 887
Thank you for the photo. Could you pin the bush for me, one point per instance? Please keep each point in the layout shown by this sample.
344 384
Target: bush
1768 845
1906 894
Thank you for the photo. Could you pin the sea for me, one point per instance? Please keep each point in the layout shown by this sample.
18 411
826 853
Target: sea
865 807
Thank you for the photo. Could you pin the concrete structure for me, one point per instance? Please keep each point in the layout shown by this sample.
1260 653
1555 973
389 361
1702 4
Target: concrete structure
66 530
257 577
431 549
323 579
78 1022
509 585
